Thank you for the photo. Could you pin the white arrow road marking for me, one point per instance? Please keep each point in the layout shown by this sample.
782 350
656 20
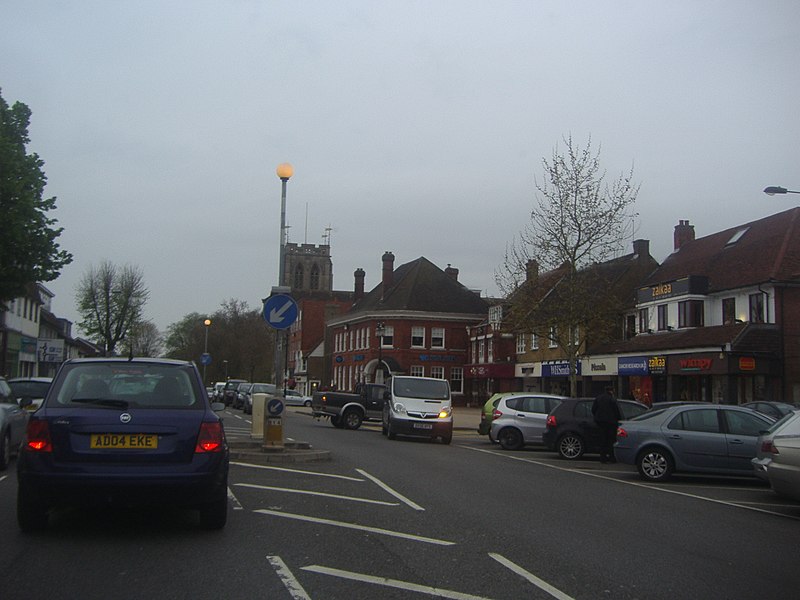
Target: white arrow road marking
287 577
407 536
276 314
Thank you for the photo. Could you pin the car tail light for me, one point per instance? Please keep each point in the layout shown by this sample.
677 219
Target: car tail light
496 414
769 447
551 421
210 438
621 433
39 436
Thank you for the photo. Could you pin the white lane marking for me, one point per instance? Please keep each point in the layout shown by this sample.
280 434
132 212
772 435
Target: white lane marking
287 577
387 532
301 472
386 488
3 477
392 583
323 494
646 486
541 584
234 500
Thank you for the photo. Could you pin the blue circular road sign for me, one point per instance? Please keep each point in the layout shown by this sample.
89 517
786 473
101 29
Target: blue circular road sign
275 407
280 311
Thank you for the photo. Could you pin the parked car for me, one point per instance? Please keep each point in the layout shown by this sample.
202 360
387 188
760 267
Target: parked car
295 398
571 430
13 419
256 388
32 388
776 410
219 386
418 406
229 391
715 438
765 450
783 472
241 393
521 419
486 413
129 431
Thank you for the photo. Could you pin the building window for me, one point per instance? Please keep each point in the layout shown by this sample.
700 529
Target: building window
481 351
490 348
314 283
662 317
417 371
690 313
534 341
388 336
437 372
521 338
552 337
457 380
757 308
417 337
437 337
630 326
644 320
298 276
728 311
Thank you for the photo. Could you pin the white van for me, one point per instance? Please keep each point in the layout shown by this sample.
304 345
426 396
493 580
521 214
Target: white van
418 406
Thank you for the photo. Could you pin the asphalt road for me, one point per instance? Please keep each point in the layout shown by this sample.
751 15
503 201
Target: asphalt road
413 519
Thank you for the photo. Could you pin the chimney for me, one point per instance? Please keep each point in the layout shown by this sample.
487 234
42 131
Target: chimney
531 270
388 270
641 248
452 272
359 275
683 233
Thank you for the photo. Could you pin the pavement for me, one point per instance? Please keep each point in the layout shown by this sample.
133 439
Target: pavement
253 451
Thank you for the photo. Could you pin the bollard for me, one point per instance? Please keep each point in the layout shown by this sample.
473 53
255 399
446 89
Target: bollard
273 424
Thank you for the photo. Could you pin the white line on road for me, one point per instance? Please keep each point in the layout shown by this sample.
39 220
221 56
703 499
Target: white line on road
542 585
386 488
234 500
287 577
397 534
392 583
646 486
300 472
323 494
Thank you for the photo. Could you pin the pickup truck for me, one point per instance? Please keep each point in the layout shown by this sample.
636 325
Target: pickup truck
348 410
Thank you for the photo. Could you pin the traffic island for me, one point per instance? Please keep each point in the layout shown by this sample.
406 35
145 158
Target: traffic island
254 451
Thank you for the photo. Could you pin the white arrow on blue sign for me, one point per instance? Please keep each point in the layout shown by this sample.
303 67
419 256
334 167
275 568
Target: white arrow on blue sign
280 311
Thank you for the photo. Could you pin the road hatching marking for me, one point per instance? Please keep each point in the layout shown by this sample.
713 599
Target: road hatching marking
298 471
540 583
389 490
310 493
288 579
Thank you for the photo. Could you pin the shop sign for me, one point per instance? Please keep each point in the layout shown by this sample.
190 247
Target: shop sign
437 357
358 358
747 363
693 284
51 351
632 365
559 369
657 365
696 364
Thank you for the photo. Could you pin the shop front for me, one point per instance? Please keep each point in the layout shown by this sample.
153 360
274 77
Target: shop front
490 378
643 378
724 378
555 377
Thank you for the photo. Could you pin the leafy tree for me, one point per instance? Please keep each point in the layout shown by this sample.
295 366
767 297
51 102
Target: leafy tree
579 222
144 339
28 248
110 301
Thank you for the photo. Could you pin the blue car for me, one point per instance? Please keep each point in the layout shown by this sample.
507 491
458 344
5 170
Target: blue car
691 438
127 432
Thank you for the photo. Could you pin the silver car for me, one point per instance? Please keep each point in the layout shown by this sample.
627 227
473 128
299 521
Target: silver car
13 421
521 418
694 438
778 459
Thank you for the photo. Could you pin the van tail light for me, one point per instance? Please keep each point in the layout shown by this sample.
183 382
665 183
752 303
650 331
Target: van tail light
38 432
210 439
496 414
551 421
769 447
621 433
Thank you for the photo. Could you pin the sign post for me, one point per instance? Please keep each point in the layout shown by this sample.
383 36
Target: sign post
280 311
273 424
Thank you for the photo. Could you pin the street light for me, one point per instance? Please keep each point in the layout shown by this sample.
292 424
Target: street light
207 323
284 172
225 362
775 189
380 329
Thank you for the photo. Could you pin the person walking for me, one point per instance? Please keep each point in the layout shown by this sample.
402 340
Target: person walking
605 411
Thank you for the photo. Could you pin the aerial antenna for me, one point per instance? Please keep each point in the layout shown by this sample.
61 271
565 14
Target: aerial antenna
326 237
305 235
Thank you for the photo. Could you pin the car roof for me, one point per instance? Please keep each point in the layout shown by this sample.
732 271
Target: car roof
36 379
122 359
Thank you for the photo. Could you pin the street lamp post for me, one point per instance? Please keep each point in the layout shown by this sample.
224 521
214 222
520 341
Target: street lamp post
380 329
225 362
284 172
775 189
207 323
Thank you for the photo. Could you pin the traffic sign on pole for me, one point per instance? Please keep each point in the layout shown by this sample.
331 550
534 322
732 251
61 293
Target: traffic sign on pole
280 311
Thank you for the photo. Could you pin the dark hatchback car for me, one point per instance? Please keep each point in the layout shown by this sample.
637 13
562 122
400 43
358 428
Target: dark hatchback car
571 431
230 391
124 431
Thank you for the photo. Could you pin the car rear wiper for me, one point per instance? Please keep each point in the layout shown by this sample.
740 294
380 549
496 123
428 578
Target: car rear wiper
102 402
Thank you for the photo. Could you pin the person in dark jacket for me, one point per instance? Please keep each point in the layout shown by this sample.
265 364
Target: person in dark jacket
605 411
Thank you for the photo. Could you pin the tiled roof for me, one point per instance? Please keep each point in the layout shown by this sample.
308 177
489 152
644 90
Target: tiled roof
422 286
767 249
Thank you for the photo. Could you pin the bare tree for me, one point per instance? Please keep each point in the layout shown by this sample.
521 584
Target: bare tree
110 301
144 339
578 223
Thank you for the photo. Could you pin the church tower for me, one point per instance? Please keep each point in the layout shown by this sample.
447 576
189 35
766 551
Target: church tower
308 268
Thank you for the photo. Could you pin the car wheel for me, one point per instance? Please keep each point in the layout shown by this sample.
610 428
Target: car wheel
307 403
5 451
570 446
352 419
214 515
337 422
510 439
447 437
31 516
390 431
655 464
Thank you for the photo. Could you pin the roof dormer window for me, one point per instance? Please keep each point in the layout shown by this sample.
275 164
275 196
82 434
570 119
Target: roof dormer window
737 236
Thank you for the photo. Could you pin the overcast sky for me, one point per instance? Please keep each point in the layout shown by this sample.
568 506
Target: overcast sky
415 127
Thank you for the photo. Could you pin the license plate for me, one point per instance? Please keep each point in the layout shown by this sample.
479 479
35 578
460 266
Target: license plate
423 425
124 441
